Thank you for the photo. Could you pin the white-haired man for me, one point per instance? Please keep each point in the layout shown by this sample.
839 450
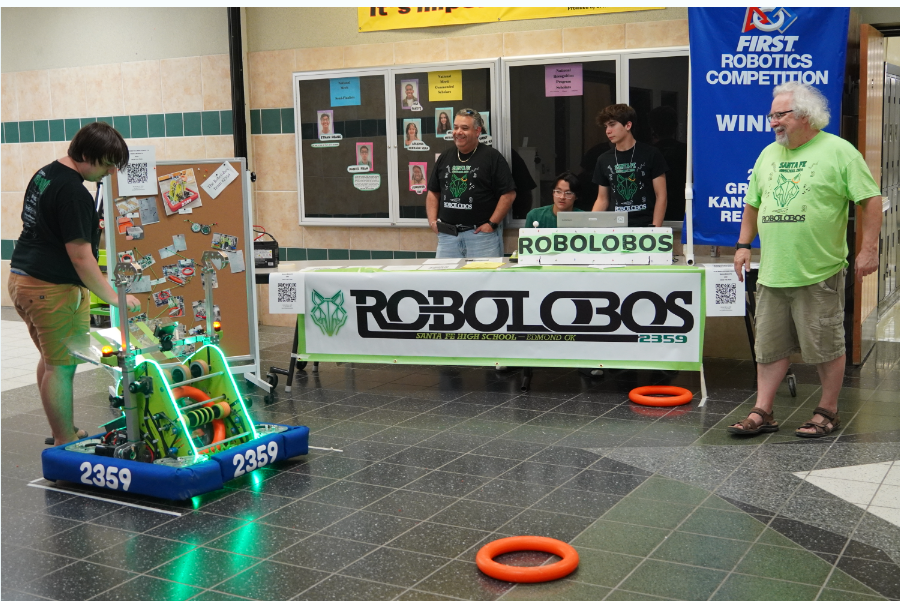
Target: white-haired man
798 202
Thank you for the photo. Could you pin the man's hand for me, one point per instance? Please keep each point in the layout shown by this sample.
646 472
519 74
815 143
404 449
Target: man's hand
484 228
866 263
741 262
133 303
433 225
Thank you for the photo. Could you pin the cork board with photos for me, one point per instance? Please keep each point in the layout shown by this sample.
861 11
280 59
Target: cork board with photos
167 232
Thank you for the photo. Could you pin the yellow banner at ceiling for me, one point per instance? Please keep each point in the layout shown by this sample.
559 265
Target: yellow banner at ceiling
384 18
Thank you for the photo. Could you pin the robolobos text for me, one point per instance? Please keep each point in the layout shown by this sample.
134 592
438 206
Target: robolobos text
592 315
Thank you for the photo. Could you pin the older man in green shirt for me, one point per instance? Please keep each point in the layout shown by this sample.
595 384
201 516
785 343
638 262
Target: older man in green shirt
798 200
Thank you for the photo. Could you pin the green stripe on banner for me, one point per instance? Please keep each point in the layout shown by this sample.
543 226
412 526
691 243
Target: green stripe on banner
301 334
490 361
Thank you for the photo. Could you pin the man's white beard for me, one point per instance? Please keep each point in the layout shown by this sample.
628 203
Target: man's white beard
781 138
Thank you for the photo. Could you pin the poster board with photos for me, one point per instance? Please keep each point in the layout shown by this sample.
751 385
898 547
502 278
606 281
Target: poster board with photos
343 148
223 220
367 139
425 124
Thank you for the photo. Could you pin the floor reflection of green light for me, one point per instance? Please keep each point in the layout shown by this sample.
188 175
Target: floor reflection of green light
256 479
243 542
195 501
189 568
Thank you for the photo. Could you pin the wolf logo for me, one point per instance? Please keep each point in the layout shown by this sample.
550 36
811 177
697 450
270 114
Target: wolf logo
627 186
328 312
458 185
785 191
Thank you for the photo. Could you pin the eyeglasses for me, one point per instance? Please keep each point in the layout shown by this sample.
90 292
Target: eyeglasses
777 116
566 193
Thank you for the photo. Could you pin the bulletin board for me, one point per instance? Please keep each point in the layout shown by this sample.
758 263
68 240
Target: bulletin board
224 220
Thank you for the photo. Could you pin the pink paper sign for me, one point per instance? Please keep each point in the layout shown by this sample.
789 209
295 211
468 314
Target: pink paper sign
564 80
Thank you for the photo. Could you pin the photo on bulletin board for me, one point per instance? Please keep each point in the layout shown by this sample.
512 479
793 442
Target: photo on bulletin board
325 123
409 94
486 115
418 177
411 129
443 121
365 156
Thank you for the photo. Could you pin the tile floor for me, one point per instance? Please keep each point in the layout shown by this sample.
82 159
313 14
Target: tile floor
435 462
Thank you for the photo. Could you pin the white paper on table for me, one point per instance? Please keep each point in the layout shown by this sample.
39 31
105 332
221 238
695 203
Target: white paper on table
442 261
236 261
179 242
401 268
427 267
139 177
219 179
321 268
724 293
287 293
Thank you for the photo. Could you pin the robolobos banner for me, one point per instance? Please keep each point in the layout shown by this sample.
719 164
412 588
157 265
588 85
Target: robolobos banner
474 318
738 55
384 18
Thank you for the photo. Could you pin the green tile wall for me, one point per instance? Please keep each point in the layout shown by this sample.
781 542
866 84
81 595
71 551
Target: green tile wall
289 253
6 249
169 125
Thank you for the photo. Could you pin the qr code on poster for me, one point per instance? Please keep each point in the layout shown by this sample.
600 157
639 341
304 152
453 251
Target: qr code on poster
136 173
287 292
726 294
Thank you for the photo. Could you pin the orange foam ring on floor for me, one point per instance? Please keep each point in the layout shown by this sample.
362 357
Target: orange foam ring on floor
485 559
677 396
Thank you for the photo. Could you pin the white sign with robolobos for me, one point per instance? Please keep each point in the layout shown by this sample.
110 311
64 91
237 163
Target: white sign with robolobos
622 316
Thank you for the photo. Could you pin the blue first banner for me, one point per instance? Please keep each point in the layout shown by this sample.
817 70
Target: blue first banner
738 56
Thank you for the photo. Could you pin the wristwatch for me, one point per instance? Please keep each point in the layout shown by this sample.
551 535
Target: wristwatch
739 246
493 225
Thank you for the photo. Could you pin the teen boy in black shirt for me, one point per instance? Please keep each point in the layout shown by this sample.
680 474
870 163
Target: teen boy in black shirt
54 264
632 175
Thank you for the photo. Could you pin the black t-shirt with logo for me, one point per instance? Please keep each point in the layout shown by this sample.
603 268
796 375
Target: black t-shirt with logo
57 209
468 189
629 176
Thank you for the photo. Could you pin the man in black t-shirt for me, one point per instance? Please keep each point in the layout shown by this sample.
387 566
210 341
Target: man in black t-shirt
471 189
632 175
54 264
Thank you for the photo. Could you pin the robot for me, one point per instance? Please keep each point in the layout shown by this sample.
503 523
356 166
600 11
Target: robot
185 428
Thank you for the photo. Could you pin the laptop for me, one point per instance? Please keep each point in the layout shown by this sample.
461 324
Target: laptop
591 219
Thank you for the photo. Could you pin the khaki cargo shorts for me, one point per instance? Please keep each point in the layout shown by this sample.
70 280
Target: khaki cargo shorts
805 319
53 313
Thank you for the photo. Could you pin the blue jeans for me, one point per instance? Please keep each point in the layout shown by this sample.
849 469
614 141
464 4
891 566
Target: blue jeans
470 245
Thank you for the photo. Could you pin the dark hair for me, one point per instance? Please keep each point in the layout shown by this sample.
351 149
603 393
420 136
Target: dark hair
475 115
663 121
571 179
621 113
99 142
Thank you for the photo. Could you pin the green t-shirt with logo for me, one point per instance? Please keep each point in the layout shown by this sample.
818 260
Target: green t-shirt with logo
802 195
544 216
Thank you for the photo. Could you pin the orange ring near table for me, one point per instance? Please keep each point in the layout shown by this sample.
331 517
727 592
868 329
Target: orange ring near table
195 394
485 559
682 396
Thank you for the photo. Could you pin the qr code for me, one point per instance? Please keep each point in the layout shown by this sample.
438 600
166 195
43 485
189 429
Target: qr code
726 294
287 292
136 173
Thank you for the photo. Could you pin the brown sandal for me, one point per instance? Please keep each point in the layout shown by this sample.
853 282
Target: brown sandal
832 423
748 428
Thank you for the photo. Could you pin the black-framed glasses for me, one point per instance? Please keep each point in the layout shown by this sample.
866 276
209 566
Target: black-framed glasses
566 193
778 116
